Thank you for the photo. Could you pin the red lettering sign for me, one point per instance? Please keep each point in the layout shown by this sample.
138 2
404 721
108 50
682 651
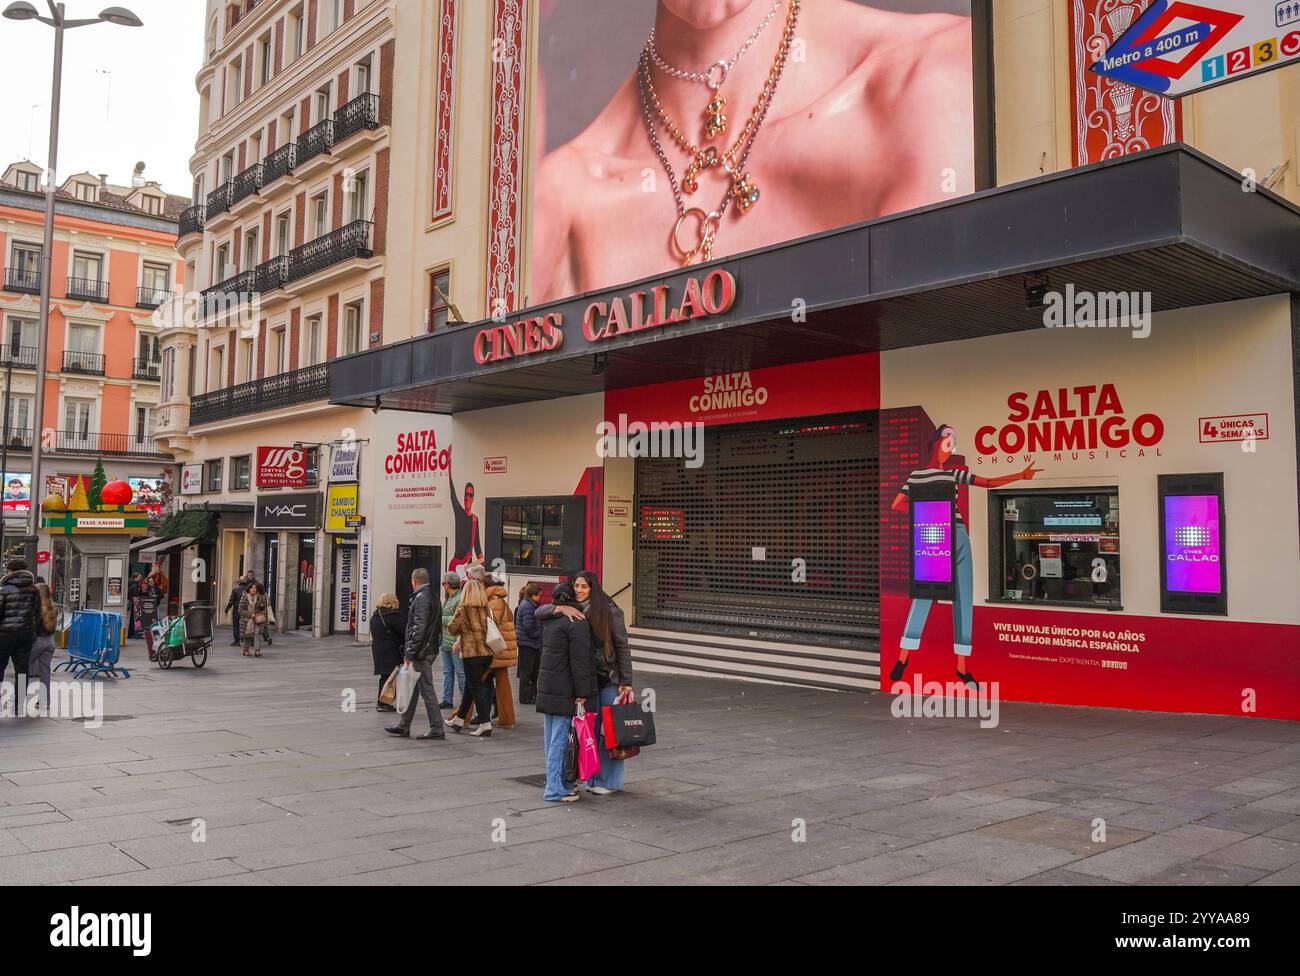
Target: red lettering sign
281 467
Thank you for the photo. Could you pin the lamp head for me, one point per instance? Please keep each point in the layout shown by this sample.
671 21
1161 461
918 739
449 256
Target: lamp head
20 11
120 16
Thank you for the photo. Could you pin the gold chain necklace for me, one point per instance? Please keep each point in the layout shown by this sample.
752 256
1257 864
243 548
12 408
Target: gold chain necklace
744 192
742 189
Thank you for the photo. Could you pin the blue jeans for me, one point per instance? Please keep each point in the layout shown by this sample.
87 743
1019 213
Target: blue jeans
452 665
611 770
555 735
962 604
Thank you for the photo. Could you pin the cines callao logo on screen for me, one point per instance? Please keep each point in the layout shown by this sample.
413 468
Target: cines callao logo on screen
99 930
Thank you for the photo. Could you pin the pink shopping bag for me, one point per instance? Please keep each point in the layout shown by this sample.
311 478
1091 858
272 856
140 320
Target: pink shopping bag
584 726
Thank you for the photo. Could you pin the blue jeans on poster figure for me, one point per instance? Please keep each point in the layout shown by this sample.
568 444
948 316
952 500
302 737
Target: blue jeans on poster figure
452 665
611 770
962 604
555 735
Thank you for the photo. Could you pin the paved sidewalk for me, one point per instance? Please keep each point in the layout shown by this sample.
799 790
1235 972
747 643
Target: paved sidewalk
294 790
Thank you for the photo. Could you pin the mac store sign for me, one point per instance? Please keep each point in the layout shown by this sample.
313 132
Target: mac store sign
295 511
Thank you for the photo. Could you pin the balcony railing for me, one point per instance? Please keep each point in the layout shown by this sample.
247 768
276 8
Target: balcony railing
85 442
272 274
269 393
218 200
18 438
279 162
89 363
349 241
23 279
229 293
192 219
19 357
88 289
146 297
360 113
146 369
315 140
245 184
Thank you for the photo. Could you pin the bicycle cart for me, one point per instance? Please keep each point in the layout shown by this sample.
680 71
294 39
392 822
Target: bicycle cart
189 635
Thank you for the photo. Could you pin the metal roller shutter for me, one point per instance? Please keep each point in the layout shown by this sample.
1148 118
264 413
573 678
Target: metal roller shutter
716 546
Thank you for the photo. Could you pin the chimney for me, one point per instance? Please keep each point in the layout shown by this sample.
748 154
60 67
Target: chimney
103 181
137 176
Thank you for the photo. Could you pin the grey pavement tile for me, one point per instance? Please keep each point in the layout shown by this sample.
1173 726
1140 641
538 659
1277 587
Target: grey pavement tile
315 872
1266 853
1287 877
178 848
78 833
1203 872
193 871
1154 855
68 864
1064 877
1074 834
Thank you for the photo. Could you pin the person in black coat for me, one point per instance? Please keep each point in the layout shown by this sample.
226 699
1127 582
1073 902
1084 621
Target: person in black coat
423 639
528 634
19 606
566 679
387 635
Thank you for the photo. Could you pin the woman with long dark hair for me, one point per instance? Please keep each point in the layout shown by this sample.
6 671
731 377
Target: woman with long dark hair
613 663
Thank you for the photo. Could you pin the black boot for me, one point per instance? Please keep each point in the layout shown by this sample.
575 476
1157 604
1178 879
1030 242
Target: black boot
398 731
896 672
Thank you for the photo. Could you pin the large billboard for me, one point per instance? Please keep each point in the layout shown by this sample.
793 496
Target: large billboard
678 131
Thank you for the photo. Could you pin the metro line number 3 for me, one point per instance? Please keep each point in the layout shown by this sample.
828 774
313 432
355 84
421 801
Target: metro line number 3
1244 58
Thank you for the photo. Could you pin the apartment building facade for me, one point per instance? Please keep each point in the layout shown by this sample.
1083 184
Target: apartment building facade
114 264
283 253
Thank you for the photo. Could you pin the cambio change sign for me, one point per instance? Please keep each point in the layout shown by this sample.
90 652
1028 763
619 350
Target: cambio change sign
1177 47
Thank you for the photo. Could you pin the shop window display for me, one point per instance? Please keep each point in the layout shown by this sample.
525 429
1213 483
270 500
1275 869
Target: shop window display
1058 547
532 531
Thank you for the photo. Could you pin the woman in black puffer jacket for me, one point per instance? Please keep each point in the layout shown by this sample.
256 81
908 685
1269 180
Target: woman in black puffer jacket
387 636
565 679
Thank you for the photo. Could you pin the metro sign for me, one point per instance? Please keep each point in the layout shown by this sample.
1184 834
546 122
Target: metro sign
1178 47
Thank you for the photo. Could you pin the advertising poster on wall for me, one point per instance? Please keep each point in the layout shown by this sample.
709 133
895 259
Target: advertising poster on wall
17 492
649 159
147 493
191 479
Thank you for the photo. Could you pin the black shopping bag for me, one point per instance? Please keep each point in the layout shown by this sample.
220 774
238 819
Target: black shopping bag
571 756
625 726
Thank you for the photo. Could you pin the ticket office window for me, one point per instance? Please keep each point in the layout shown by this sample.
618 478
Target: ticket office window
1058 547
544 533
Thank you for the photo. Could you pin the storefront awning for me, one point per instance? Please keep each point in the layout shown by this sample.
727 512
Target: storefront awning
1170 222
146 541
151 552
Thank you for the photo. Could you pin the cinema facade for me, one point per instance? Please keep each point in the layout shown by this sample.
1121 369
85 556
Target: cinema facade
1129 535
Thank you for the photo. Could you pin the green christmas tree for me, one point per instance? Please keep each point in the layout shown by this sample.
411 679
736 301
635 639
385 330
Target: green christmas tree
97 482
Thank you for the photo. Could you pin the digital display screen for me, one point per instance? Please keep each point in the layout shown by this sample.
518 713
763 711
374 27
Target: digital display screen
932 542
17 492
146 493
1192 548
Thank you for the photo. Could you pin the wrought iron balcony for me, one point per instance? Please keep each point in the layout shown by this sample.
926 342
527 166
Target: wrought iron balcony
88 289
19 357
146 297
315 140
304 385
93 442
18 438
360 113
245 184
218 201
89 363
192 220
23 280
270 275
229 293
349 241
146 369
279 162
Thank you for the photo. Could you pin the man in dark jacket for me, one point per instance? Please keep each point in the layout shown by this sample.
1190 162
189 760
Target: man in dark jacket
423 637
232 607
19 604
565 679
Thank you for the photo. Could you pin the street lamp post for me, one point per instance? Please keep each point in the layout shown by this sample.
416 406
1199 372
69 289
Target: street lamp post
25 11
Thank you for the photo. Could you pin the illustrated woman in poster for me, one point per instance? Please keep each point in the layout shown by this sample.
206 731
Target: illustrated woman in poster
942 445
736 124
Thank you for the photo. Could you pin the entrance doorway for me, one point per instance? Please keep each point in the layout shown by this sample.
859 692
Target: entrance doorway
270 574
775 537
408 559
306 580
233 545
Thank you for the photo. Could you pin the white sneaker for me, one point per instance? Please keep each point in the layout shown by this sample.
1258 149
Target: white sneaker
601 791
483 731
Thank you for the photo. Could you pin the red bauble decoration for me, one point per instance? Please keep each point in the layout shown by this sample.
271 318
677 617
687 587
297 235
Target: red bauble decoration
116 493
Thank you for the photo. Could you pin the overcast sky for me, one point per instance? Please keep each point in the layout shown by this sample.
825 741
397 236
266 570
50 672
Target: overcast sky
145 108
